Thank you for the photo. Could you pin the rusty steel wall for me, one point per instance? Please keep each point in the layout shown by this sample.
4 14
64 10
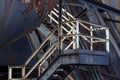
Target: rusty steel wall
18 18
15 23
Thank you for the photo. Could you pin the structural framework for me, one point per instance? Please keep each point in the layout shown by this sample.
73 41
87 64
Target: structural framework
62 40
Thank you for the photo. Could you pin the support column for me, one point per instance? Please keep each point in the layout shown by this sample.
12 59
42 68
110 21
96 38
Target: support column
77 31
91 40
23 73
107 43
60 26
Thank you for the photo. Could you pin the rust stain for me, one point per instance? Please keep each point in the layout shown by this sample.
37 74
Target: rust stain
40 5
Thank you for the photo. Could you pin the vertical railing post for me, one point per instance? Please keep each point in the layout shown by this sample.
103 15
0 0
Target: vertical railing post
77 29
50 17
74 39
91 39
107 43
91 18
60 26
23 73
39 71
9 73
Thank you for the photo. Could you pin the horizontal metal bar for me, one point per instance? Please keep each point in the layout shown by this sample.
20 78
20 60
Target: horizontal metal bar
102 28
14 66
16 79
86 22
21 79
97 41
81 51
65 36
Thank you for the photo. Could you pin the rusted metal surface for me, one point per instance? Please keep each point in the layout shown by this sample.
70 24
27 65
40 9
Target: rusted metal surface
18 18
40 5
18 21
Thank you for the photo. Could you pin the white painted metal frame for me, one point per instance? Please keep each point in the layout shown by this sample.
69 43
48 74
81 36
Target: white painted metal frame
92 38
10 72
74 32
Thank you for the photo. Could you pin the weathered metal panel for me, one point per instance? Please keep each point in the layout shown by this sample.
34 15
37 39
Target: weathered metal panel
90 57
16 22
16 53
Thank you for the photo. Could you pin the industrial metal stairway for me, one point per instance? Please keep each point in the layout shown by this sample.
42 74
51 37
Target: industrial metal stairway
51 73
87 57
55 72
44 73
69 49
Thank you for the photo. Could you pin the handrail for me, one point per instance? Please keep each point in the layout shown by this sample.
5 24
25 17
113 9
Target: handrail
36 51
44 57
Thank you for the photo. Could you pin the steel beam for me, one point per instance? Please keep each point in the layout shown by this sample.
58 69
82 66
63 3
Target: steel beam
102 6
